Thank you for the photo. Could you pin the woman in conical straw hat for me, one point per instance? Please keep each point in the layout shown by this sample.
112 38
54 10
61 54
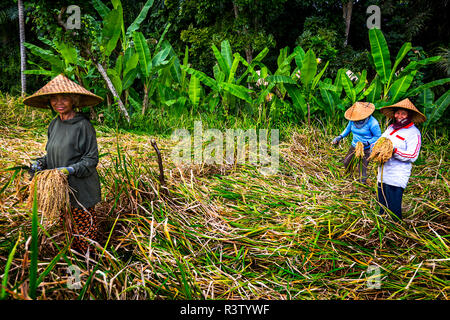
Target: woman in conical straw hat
365 129
72 148
393 176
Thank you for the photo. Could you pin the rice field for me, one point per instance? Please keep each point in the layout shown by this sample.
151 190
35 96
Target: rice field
228 232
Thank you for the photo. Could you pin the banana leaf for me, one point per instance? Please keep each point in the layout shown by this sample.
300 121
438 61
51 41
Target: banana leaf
119 65
425 98
309 68
160 58
101 8
299 56
400 86
400 55
281 79
238 91
298 99
143 52
318 76
129 78
112 25
68 52
233 69
55 62
428 85
115 79
348 87
140 18
380 54
435 113
221 61
261 55
194 90
225 50
210 82
130 61
361 82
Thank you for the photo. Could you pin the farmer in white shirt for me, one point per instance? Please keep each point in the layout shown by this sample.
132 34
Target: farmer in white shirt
393 175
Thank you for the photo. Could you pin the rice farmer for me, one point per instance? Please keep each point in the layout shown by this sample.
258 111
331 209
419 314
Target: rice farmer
394 174
365 129
72 149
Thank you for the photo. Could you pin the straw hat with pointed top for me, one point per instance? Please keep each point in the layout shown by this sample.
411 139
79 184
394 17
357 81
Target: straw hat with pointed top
359 111
416 115
61 85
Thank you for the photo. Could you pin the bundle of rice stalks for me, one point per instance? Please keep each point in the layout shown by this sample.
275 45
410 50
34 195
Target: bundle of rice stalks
359 150
52 191
382 150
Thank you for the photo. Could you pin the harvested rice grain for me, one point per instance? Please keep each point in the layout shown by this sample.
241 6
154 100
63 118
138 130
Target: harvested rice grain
382 150
359 150
52 195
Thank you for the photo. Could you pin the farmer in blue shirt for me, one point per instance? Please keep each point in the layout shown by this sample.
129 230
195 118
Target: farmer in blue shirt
365 128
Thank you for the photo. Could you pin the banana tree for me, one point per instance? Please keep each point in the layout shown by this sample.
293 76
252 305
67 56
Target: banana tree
395 84
225 83
149 64
120 77
355 92
126 36
302 92
330 92
114 31
62 57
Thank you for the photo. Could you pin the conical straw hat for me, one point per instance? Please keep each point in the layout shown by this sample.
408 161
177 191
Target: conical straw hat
59 85
359 111
416 115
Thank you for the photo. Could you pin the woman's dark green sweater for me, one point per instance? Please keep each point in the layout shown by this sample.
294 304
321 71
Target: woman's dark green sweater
73 143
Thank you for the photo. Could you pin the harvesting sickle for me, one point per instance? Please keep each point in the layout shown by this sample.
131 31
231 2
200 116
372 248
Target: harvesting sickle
402 150
72 153
365 130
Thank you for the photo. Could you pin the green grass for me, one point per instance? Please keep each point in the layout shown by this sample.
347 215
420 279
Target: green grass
309 232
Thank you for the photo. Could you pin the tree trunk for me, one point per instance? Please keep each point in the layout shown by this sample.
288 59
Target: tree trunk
22 48
145 102
113 90
249 55
248 51
347 14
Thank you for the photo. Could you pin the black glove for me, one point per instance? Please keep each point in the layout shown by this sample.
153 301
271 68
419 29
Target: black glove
35 166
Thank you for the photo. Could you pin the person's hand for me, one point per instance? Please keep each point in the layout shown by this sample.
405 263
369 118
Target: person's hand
336 140
36 166
66 170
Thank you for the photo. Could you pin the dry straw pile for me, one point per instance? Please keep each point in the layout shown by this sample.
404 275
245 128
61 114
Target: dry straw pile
52 194
382 150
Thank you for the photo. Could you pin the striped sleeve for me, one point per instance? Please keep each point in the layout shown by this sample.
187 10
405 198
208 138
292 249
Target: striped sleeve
411 153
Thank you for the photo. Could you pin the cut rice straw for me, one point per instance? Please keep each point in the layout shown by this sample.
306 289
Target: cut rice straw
52 195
